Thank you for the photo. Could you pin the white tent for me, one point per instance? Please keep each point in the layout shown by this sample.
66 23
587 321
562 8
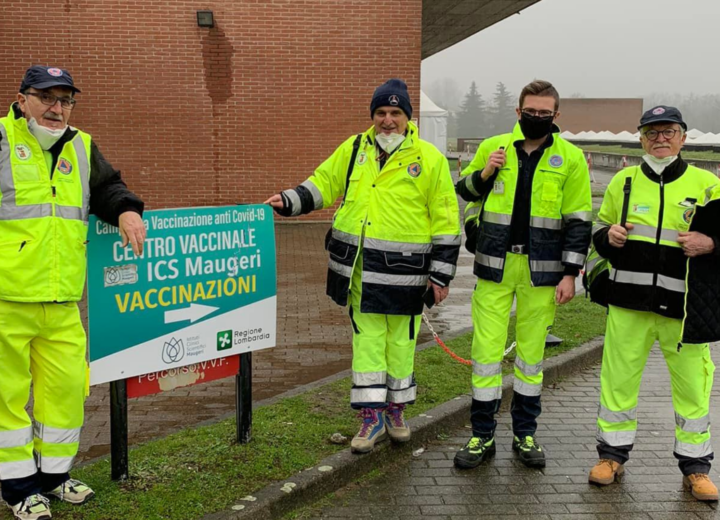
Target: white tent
695 133
433 123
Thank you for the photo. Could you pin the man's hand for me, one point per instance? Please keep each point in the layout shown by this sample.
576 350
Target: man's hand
565 290
696 244
618 234
496 160
275 201
132 230
440 292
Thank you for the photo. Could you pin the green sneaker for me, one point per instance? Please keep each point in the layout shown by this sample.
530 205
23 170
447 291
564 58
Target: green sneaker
474 453
530 452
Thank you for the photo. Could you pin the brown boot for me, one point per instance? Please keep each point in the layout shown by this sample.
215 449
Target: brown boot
605 472
701 486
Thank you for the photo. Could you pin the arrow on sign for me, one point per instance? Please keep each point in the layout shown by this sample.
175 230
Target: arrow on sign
192 313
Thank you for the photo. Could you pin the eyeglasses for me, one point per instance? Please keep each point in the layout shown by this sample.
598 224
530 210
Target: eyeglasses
48 99
668 134
537 113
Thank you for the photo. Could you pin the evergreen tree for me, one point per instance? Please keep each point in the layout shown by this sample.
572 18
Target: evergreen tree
472 114
502 113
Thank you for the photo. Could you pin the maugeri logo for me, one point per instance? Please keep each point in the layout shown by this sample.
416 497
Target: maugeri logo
64 166
224 340
55 72
394 100
173 351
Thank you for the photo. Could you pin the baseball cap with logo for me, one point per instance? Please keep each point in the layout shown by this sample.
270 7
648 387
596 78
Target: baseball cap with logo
42 77
662 114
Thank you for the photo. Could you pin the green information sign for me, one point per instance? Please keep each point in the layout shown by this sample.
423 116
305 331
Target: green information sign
204 288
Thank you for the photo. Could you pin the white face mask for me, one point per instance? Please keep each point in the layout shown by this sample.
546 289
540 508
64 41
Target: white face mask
47 137
389 142
658 165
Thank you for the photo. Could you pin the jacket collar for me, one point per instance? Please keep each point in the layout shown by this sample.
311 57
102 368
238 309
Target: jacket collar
672 173
411 138
20 122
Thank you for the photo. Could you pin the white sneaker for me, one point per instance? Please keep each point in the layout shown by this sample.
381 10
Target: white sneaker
34 507
72 491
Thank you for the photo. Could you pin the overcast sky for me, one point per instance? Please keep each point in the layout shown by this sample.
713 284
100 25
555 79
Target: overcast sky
600 48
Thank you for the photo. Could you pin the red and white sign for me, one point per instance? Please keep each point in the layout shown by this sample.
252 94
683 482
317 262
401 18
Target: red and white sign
189 375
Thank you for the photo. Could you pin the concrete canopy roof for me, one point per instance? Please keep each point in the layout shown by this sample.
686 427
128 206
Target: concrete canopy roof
447 22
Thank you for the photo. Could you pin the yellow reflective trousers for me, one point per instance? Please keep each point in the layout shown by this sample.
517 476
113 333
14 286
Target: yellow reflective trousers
43 344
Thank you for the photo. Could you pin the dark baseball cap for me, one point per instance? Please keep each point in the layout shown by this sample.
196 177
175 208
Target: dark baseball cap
662 114
42 77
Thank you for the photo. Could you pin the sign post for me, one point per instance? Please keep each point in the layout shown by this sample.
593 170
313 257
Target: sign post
204 290
118 431
243 399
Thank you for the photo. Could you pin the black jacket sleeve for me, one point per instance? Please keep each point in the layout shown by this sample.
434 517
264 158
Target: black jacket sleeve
472 188
109 195
602 244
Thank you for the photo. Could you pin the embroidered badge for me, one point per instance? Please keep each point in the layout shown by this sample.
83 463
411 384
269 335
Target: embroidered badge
659 111
414 170
22 152
55 72
642 209
556 161
394 100
688 215
361 159
64 166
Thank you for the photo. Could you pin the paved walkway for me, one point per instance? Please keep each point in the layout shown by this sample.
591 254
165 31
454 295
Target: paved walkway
429 487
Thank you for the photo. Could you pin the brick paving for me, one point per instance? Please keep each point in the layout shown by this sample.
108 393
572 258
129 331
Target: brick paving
429 487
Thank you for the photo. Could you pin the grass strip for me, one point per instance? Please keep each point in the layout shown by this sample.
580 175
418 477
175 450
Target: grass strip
200 470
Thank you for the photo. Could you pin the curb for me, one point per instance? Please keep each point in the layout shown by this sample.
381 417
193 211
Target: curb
312 484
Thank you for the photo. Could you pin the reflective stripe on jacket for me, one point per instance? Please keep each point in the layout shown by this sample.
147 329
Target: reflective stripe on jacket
560 209
43 216
403 217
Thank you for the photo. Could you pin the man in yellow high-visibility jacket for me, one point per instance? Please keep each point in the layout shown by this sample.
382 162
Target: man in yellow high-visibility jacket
532 212
395 236
648 250
52 176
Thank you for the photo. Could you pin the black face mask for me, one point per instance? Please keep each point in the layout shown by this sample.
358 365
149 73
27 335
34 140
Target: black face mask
534 127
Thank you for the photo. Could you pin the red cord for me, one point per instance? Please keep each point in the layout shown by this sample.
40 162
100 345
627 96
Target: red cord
451 353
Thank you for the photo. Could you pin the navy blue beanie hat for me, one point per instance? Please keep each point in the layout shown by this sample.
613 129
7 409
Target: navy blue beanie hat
392 93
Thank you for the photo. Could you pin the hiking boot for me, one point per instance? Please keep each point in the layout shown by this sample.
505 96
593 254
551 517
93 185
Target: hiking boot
397 427
371 431
72 491
475 452
605 472
530 452
34 507
701 486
